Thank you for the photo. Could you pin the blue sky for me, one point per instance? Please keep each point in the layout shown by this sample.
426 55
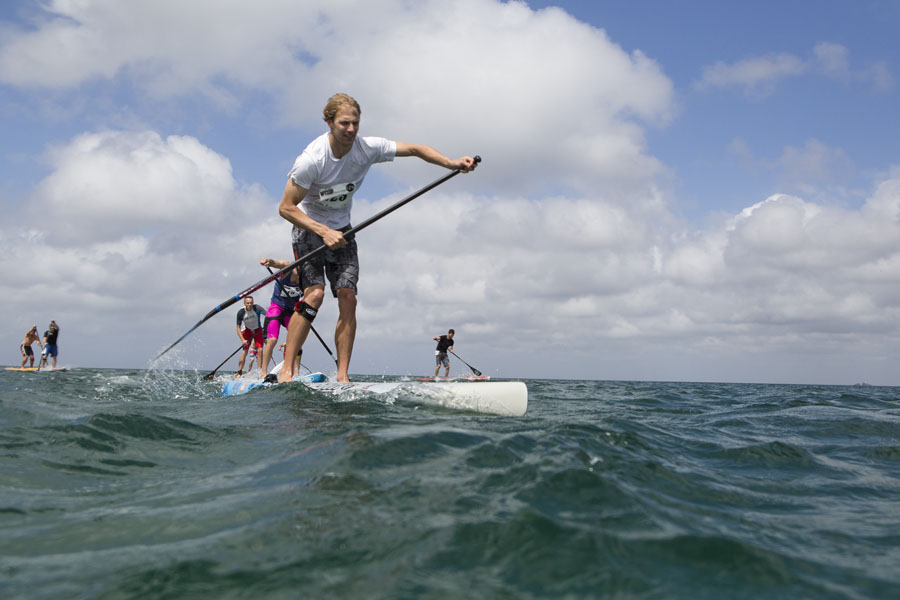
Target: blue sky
681 191
845 111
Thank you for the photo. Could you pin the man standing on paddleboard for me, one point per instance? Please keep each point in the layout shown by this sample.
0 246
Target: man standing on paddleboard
317 200
284 297
25 348
249 326
444 345
50 347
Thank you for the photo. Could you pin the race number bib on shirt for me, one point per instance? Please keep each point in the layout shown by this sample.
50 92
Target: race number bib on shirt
337 196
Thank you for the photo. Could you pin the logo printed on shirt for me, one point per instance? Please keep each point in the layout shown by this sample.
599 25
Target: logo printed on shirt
337 196
290 291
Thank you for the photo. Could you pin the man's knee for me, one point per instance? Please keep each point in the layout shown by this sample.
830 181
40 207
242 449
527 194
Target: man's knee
314 297
346 300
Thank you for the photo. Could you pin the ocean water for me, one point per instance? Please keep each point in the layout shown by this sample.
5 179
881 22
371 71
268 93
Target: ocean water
147 484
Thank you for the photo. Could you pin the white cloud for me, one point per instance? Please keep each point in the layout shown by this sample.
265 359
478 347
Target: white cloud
781 274
168 47
111 184
815 170
557 277
815 161
478 76
834 61
759 76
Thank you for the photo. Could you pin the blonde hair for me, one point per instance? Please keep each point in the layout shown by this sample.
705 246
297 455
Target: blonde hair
336 102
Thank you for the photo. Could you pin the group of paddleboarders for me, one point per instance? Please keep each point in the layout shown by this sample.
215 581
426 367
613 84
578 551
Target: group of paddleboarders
317 202
48 346
259 331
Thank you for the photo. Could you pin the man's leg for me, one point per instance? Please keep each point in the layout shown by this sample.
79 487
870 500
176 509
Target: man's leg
259 341
345 331
296 363
268 349
298 329
243 358
244 351
273 330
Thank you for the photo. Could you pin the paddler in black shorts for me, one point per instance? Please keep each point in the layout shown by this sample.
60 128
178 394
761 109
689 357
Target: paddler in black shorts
25 348
444 345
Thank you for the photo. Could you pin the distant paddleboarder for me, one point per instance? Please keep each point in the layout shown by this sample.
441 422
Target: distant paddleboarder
249 327
444 345
25 347
50 347
317 200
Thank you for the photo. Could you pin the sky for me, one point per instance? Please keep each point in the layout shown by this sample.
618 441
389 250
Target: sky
670 191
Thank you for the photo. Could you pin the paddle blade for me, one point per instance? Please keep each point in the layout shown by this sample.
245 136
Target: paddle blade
475 371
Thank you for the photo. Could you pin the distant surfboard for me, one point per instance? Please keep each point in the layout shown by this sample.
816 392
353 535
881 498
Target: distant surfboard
457 378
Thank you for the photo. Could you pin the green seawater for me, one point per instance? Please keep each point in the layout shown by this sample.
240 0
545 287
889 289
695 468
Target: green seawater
147 484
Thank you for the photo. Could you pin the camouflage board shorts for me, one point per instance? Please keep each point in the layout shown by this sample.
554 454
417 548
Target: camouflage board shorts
341 266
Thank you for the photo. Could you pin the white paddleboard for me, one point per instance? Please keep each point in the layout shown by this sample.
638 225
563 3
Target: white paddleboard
509 398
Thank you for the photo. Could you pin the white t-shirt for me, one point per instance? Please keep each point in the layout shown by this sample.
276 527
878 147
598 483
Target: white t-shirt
250 319
333 181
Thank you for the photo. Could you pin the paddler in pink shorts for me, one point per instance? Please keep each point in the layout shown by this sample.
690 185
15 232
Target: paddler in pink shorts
286 294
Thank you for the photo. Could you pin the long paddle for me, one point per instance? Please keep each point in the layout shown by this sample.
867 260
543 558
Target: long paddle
474 370
327 349
210 375
347 235
324 345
